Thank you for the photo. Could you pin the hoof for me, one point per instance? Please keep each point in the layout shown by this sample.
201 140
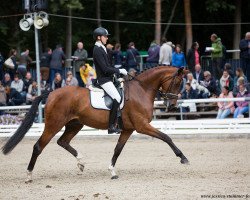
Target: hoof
80 166
115 177
185 161
28 181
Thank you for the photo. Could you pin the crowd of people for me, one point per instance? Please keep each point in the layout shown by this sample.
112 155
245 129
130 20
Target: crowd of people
17 86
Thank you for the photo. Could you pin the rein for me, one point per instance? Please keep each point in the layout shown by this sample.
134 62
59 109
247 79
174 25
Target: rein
165 95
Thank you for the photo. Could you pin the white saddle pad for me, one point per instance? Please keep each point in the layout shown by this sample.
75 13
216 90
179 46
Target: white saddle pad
97 99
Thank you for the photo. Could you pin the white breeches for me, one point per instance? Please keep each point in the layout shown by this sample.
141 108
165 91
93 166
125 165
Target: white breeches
111 91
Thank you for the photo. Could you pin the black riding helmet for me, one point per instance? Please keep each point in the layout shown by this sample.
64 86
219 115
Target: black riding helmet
100 32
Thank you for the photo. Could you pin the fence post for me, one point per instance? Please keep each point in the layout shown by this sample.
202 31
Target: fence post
181 111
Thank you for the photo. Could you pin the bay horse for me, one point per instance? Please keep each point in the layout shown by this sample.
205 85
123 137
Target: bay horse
70 107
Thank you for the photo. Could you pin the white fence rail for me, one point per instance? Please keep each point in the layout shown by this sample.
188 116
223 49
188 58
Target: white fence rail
185 127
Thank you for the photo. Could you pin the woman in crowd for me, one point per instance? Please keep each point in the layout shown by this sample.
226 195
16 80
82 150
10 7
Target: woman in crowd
32 92
58 82
193 56
242 106
226 80
178 57
117 55
225 108
239 73
87 73
73 80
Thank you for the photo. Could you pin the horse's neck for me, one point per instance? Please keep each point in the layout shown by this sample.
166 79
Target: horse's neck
150 82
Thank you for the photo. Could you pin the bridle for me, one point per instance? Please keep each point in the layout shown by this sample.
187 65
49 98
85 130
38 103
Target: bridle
165 95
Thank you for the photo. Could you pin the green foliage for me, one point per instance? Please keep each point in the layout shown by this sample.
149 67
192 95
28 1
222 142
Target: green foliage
65 4
215 6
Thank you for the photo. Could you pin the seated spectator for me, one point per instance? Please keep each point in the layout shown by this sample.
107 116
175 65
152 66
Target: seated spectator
198 73
239 73
27 81
87 73
153 55
32 92
132 72
228 67
210 83
189 93
178 57
17 83
240 81
15 98
242 106
225 108
6 80
58 82
68 81
3 96
73 79
183 85
201 90
226 80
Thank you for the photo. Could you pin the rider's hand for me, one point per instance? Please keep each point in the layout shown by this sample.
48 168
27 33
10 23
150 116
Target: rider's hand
123 71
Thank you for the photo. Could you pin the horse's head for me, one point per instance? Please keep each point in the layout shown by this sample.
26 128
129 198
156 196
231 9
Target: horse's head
171 83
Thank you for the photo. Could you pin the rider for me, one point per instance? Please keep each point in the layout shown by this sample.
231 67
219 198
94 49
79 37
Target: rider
105 74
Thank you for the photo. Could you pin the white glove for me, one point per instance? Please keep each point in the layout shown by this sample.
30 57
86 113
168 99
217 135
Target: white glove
123 71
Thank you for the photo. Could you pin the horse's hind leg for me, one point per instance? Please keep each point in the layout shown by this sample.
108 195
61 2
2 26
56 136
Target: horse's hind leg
72 128
151 131
48 133
119 146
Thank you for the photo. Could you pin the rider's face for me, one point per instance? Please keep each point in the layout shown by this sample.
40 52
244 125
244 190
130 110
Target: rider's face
104 39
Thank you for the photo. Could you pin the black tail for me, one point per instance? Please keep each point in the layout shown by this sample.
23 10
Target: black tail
26 124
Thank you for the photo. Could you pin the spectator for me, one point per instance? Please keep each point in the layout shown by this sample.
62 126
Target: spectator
183 85
245 55
225 108
226 80
178 57
87 74
239 73
165 53
45 63
12 71
153 55
201 90
17 83
110 52
27 81
210 83
242 106
131 54
1 66
15 98
56 62
228 67
117 55
58 82
216 56
3 96
7 80
68 81
193 57
32 92
23 63
73 80
132 72
189 93
80 57
240 81
198 73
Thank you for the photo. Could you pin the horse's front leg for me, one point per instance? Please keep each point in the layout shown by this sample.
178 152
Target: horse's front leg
119 146
147 129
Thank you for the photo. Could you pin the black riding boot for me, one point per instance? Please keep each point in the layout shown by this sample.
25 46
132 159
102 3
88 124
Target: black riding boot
112 119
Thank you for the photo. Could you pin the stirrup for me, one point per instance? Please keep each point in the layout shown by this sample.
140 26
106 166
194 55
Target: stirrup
114 129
